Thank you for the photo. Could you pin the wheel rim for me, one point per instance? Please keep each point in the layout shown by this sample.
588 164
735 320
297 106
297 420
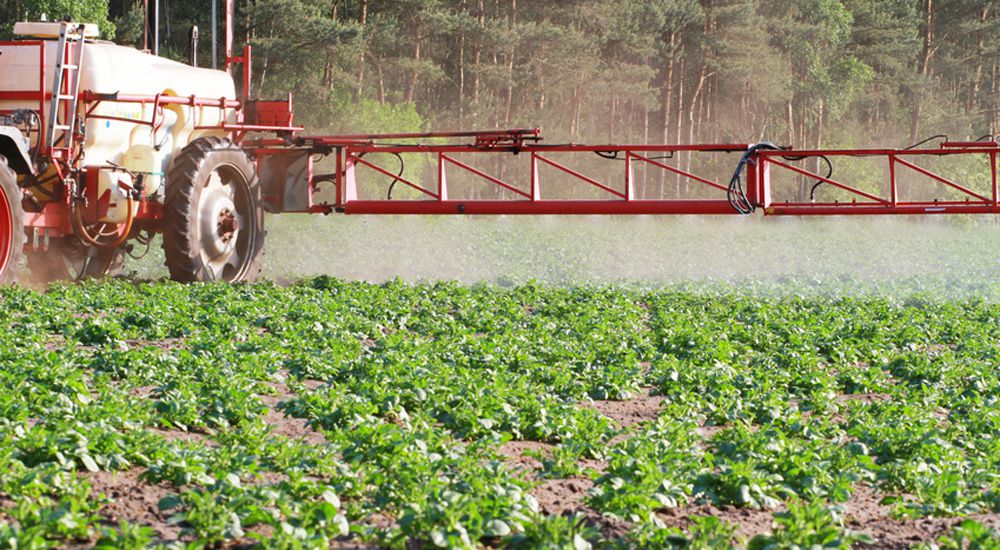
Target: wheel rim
225 223
6 230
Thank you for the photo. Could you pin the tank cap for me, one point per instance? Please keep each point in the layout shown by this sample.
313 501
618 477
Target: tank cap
49 29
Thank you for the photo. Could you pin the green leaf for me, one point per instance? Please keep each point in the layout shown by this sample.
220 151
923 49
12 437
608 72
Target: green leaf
168 502
496 528
89 464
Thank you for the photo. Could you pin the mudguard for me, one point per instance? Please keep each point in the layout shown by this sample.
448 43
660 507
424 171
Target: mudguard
14 146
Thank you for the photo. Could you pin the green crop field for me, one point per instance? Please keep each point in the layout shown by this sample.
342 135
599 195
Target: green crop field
336 414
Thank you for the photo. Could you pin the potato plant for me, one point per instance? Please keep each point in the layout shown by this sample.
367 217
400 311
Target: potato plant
329 412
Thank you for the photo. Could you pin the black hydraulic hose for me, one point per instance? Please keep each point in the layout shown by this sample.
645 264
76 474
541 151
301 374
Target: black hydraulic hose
829 174
923 141
829 171
735 194
615 155
402 167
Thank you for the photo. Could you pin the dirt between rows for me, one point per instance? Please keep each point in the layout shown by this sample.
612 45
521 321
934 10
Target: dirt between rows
628 413
288 426
863 512
134 500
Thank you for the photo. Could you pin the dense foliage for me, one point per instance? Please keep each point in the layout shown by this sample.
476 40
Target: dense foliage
807 72
794 404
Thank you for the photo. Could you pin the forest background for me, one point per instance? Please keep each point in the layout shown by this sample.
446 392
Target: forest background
804 72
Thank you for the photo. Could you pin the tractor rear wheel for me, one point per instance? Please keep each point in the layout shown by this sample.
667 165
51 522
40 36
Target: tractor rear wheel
11 224
68 259
213 224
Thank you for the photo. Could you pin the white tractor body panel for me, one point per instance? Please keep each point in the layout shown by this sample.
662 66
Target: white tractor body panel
109 68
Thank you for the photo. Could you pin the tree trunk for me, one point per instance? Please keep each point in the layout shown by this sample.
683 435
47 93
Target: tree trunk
668 89
680 109
994 116
328 64
977 79
790 120
478 56
667 95
819 143
362 20
249 21
703 133
645 141
574 127
463 9
612 119
695 97
924 68
411 86
709 102
541 94
376 64
511 29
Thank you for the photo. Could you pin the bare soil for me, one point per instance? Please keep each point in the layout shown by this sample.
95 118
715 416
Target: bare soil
864 512
561 496
165 344
749 522
863 397
181 435
566 497
629 412
288 426
292 428
133 500
518 454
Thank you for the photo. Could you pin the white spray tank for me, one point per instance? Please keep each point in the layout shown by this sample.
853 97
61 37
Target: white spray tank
125 137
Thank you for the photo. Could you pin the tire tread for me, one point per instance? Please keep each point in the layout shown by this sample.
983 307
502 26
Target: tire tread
182 253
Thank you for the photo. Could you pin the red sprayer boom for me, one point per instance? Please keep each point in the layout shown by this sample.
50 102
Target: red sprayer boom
746 190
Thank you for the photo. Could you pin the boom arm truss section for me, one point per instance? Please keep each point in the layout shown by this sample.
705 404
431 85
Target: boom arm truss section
359 157
964 193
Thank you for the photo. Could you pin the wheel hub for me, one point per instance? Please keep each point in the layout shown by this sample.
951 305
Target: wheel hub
219 224
228 225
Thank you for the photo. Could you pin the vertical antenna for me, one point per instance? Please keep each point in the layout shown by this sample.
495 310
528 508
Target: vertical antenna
229 33
193 52
156 27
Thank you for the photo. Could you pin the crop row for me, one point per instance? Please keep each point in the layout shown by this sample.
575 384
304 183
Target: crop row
787 403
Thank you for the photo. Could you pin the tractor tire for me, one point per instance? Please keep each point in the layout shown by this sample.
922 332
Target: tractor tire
213 223
68 259
12 235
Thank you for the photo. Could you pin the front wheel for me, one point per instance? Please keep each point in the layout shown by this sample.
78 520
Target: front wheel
213 224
